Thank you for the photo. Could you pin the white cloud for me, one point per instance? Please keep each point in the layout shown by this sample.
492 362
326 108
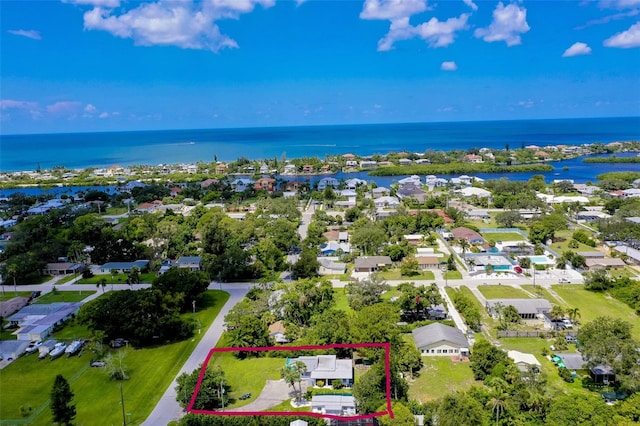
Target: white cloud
448 66
577 49
526 104
508 23
33 34
471 4
619 4
392 9
90 108
625 39
184 24
441 33
13 104
63 107
104 115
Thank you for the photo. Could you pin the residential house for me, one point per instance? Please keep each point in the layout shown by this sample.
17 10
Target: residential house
330 266
322 370
264 168
277 332
428 262
221 169
208 182
591 254
573 361
527 308
308 168
405 162
368 164
175 191
524 361
462 233
411 180
63 268
328 181
478 214
193 263
354 183
388 202
423 161
336 405
472 158
440 340
351 163
472 191
124 267
289 169
371 263
606 263
265 184
241 184
411 191
602 374
380 191
38 321
332 248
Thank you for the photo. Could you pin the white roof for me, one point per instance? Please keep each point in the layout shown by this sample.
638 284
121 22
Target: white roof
523 358
470 191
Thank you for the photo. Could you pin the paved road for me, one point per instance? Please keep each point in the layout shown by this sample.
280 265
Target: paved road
168 409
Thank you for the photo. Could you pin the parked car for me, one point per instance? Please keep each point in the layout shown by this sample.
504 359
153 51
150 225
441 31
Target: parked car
245 396
567 323
33 346
570 339
565 280
98 364
118 343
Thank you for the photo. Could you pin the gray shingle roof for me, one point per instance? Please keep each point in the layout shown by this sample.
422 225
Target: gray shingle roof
436 332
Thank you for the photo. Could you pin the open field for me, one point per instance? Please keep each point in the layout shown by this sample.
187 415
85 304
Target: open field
395 274
147 277
66 279
63 296
438 377
565 236
452 275
541 292
503 236
247 375
593 305
27 381
340 298
10 294
502 292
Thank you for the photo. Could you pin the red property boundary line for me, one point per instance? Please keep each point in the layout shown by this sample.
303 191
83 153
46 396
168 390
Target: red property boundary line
387 350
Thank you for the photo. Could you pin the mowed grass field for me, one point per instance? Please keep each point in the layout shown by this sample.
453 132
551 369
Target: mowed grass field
503 236
438 377
63 296
593 305
502 292
27 381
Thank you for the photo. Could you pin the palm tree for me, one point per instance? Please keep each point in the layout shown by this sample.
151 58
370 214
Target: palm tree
574 314
464 245
556 312
102 283
12 271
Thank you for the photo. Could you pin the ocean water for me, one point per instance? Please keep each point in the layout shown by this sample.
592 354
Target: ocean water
80 150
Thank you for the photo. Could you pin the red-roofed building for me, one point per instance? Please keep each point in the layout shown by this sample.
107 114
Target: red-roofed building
462 233
266 184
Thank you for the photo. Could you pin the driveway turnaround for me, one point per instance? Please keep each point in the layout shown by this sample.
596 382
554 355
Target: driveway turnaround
275 392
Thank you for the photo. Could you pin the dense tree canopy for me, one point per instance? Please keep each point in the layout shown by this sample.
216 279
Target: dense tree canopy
189 284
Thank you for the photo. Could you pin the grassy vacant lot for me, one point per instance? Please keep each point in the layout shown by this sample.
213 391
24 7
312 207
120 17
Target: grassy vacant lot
541 292
593 305
340 298
503 236
563 244
502 292
66 279
247 375
10 294
147 277
452 275
63 296
440 376
395 274
27 382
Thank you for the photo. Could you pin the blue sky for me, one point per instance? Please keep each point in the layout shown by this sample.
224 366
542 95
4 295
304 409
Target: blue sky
103 65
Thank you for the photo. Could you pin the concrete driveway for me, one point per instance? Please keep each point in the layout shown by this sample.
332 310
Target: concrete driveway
275 392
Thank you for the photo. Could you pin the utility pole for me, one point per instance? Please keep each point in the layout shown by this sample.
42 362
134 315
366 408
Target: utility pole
124 419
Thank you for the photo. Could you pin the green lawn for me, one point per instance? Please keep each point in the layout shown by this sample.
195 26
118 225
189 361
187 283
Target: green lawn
147 277
440 376
63 296
452 275
565 236
340 298
66 279
395 274
27 381
503 236
502 292
541 292
113 211
246 375
593 305
10 294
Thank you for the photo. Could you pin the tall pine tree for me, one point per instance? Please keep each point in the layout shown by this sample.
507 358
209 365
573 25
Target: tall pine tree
61 407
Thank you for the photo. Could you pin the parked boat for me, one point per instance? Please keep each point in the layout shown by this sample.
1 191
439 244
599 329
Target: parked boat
57 350
45 348
74 347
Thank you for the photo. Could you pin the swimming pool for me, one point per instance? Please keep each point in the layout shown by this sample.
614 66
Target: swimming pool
540 260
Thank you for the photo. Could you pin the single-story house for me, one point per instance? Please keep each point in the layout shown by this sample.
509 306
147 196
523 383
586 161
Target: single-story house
354 183
328 181
332 247
428 262
527 308
37 321
371 263
591 254
337 405
524 361
440 340
193 263
386 201
607 263
63 268
411 190
462 233
573 361
472 191
124 267
324 369
380 191
634 254
602 374
277 332
241 184
329 266
478 214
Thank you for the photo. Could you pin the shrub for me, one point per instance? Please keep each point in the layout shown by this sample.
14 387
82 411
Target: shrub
565 374
320 383
337 384
87 273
